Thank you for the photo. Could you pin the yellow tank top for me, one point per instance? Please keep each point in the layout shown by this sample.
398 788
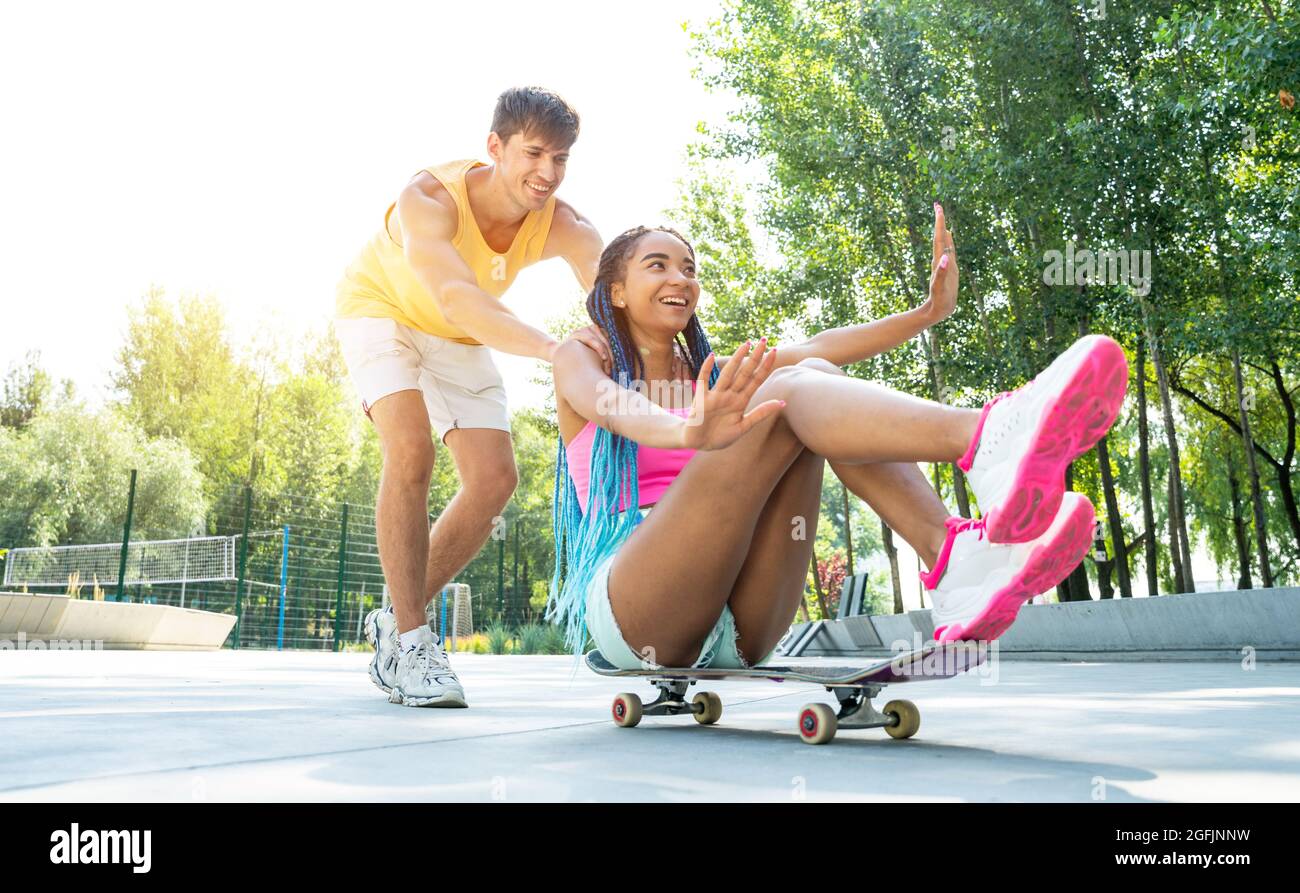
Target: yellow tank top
381 283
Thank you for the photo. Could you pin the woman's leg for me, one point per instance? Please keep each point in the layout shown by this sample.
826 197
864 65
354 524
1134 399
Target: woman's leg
901 496
671 578
771 582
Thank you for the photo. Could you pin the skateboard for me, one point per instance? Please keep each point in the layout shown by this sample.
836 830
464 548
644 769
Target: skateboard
854 686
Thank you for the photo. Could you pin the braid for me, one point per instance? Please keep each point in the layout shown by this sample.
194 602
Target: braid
585 535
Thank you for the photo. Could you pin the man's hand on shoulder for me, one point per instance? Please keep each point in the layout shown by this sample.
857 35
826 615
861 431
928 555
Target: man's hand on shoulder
593 336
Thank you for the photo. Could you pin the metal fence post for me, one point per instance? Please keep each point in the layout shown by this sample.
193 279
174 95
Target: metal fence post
343 566
126 538
284 588
243 564
501 578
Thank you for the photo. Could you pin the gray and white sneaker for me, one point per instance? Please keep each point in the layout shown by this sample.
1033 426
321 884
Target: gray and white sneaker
381 632
425 678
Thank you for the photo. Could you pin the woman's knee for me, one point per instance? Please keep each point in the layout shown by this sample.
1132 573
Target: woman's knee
784 378
820 365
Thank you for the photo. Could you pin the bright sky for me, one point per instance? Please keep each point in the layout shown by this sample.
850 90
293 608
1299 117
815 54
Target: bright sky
247 150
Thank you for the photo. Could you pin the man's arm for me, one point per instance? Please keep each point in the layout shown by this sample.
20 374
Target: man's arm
428 226
574 238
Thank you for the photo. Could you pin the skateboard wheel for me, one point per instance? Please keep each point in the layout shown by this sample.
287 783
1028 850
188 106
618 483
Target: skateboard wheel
708 708
626 710
817 724
908 716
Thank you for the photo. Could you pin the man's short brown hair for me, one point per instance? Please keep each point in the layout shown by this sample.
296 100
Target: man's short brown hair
535 111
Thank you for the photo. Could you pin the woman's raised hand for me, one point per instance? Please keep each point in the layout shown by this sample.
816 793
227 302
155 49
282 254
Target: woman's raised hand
718 417
943 269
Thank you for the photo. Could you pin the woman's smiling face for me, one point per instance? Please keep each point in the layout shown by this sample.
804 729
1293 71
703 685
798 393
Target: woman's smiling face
659 291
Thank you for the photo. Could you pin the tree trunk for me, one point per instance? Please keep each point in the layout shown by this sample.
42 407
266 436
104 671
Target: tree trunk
891 551
817 588
1239 532
1112 516
848 528
1144 474
1284 470
1104 569
1178 516
1175 554
1072 589
1079 589
1252 470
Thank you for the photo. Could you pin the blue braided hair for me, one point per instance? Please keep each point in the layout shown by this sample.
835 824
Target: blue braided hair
586 536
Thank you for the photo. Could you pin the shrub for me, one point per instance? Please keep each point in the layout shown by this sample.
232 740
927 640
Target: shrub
498 639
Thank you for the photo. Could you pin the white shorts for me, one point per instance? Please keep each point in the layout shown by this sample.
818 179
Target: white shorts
460 384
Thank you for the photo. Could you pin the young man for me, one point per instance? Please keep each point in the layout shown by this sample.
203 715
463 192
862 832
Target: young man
416 314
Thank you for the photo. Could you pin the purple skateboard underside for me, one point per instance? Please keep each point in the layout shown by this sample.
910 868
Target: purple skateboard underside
931 662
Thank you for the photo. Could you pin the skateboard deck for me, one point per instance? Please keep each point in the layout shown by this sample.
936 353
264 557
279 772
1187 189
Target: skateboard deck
934 661
854 686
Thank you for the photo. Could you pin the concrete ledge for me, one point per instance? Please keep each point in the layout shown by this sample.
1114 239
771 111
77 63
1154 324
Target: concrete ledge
1192 626
118 625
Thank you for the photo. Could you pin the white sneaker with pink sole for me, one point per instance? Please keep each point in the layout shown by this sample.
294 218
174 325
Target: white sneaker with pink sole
1027 438
977 587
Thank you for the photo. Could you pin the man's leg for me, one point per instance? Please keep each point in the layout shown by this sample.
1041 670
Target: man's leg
402 508
485 461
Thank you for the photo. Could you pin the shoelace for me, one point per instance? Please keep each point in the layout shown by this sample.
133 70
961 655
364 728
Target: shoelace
429 662
961 525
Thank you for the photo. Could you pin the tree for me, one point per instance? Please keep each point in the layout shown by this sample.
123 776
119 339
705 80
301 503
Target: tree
65 479
26 389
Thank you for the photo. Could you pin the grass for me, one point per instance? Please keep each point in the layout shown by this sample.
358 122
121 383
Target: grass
531 638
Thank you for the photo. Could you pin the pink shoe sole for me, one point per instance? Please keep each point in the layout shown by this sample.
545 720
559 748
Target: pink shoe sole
1081 416
1049 564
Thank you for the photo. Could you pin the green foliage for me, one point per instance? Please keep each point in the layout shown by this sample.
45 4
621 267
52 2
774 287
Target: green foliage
540 638
65 479
499 638
1041 127
27 387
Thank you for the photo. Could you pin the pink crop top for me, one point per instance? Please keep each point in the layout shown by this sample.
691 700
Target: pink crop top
656 468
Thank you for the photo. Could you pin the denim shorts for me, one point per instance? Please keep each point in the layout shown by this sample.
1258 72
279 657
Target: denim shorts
720 649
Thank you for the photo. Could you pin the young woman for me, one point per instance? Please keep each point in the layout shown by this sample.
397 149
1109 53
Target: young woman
730 456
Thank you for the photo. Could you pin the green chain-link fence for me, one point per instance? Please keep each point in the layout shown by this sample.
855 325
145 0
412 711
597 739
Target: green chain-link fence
302 573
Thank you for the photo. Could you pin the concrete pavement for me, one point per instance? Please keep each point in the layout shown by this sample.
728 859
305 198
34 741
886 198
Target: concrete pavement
253 725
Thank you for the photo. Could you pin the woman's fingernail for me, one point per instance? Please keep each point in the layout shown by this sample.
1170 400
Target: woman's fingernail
943 262
937 209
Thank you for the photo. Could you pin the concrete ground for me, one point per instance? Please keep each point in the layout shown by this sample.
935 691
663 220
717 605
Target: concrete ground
249 725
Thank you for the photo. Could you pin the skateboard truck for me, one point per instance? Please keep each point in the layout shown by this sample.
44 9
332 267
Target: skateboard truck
706 706
854 688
